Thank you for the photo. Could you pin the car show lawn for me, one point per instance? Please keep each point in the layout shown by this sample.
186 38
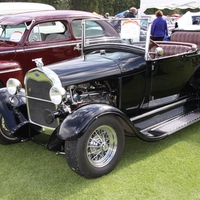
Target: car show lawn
168 169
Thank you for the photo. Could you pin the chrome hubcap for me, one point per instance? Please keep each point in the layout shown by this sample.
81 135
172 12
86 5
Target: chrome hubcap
102 146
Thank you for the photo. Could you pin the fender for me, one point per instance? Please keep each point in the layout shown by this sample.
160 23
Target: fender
15 112
75 125
54 143
10 69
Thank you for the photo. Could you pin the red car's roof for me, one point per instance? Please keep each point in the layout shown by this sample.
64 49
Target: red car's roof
44 15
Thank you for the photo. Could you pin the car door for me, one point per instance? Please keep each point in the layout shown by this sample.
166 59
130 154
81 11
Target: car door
51 41
169 77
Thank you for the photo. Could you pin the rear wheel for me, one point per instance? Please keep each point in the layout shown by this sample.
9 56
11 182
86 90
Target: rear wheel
99 150
5 134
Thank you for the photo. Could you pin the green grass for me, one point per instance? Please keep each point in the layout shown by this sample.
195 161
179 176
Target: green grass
164 170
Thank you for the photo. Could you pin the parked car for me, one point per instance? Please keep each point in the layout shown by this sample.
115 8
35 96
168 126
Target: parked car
52 35
121 85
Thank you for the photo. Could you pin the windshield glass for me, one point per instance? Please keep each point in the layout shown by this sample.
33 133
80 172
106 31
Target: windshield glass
13 33
131 31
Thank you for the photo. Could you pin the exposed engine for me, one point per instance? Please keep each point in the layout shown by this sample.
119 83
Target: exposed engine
85 93
93 92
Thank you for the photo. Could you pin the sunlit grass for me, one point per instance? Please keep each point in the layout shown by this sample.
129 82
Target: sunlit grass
168 169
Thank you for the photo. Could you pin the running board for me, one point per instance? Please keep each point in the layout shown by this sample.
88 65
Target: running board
174 124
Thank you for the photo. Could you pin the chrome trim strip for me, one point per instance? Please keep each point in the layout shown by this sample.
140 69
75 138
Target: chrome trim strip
6 52
28 97
47 47
19 50
10 70
31 48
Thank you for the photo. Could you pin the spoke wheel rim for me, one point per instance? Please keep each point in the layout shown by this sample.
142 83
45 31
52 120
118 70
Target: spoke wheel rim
5 131
102 146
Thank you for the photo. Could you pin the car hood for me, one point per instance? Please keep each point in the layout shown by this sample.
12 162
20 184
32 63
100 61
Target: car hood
83 69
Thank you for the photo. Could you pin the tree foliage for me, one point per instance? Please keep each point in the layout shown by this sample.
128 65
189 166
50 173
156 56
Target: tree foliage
87 5
54 3
101 6
98 6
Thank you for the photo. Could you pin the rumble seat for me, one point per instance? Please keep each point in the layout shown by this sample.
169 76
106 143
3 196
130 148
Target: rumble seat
186 36
172 48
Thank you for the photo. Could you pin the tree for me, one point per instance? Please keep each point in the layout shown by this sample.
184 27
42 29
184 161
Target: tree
101 6
86 5
54 3
121 5
106 6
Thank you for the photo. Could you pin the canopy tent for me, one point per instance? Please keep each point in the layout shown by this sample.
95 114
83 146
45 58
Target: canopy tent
170 4
188 19
7 8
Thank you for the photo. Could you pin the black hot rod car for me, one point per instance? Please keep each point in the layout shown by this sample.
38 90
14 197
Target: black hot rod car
121 85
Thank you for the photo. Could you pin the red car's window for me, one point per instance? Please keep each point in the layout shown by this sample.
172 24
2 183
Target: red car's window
12 33
48 31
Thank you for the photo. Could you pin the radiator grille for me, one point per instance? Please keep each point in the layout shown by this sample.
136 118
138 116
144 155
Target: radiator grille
37 107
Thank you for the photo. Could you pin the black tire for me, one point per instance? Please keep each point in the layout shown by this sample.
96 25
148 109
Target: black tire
5 135
99 150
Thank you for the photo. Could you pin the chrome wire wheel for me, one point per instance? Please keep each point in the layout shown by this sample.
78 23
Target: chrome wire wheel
102 146
98 151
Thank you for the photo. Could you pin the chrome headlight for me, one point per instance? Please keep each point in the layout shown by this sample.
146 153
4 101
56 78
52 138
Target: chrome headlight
57 94
13 86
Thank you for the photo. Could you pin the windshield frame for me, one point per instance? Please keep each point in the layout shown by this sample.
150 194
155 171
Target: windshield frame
91 42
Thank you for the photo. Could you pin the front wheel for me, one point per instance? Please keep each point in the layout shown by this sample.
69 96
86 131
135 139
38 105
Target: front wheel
5 135
99 150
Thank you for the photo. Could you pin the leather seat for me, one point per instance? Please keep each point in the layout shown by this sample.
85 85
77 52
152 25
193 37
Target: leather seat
186 36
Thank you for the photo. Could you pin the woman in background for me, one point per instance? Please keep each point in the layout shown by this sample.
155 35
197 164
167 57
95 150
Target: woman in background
159 27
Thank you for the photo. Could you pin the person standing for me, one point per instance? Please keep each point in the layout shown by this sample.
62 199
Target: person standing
131 14
159 27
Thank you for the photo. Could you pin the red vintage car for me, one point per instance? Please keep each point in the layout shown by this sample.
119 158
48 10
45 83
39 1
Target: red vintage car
53 35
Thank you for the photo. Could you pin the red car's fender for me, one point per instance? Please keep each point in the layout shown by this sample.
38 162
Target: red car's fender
10 69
